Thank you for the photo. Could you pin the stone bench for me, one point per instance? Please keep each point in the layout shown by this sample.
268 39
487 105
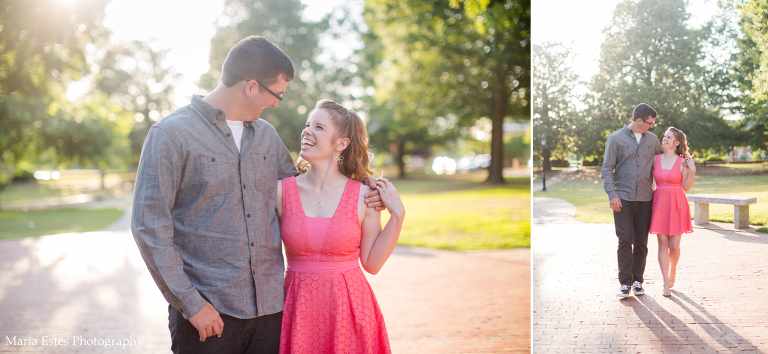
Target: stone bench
740 207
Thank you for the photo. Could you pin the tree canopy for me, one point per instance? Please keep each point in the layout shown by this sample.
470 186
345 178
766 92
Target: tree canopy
439 66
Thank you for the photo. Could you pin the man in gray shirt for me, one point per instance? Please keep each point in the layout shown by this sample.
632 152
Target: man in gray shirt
203 208
627 178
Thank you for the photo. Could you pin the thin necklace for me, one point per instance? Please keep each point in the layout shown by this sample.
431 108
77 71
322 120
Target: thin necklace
312 188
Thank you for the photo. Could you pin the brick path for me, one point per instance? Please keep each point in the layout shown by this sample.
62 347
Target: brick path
718 303
95 285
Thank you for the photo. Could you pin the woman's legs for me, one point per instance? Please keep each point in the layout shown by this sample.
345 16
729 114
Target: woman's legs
674 254
664 258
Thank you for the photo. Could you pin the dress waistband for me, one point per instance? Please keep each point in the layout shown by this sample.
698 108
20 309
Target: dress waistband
297 266
668 186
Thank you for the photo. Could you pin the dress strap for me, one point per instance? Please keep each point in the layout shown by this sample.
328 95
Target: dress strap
290 194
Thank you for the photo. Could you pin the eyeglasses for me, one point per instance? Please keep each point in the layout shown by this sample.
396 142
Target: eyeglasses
279 97
651 123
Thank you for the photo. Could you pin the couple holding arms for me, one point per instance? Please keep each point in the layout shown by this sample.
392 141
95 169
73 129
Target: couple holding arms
216 193
645 182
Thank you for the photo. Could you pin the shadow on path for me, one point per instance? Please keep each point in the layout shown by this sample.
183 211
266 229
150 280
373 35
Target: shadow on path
739 235
665 326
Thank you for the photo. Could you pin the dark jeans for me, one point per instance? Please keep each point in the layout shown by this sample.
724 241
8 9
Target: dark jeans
254 335
632 225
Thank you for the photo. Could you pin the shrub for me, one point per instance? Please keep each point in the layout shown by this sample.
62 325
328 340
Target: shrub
592 162
23 176
712 158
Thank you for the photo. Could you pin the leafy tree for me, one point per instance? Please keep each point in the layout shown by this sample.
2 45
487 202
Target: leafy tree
751 72
439 66
132 75
43 49
553 110
651 56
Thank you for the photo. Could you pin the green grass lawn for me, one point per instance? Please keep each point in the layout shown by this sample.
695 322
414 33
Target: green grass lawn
463 214
26 191
585 191
71 182
47 222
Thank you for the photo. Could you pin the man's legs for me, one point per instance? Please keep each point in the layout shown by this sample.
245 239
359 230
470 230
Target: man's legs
624 221
255 335
643 212
263 334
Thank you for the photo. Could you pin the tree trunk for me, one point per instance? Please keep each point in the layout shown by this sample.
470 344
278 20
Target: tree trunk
496 169
545 153
400 159
545 156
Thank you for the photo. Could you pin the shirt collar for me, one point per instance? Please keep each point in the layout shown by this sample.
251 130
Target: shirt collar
211 112
630 131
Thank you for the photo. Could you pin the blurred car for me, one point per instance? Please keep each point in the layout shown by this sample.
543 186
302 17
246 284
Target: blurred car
444 165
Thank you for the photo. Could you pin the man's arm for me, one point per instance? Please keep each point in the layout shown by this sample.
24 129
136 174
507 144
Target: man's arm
609 164
157 181
285 165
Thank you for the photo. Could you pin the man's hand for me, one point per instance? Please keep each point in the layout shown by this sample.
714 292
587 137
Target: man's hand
208 322
615 204
373 199
688 162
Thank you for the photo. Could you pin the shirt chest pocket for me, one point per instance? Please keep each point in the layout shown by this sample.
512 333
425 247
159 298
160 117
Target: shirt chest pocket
215 174
264 170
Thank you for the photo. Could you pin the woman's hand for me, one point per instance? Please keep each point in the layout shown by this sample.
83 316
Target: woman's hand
390 197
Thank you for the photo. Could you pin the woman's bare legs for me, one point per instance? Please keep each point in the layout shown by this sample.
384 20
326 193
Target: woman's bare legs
674 256
664 260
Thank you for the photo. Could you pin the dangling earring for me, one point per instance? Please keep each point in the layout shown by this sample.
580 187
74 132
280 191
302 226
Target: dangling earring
339 160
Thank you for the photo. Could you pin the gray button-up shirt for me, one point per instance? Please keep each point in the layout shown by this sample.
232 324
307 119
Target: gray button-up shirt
203 214
628 166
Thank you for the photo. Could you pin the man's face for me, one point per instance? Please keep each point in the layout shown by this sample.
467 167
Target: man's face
261 98
647 123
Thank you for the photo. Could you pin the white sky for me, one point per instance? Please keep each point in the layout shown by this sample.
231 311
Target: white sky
187 30
581 24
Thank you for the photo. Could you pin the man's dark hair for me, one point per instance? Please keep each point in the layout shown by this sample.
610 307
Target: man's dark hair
643 111
255 57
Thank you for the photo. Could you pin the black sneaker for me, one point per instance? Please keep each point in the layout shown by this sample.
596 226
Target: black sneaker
637 288
624 292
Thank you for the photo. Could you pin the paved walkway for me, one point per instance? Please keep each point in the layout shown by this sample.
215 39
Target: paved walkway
718 303
83 287
552 177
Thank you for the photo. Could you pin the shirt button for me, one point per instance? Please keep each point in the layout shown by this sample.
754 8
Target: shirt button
251 244
254 272
243 186
249 216
213 159
228 135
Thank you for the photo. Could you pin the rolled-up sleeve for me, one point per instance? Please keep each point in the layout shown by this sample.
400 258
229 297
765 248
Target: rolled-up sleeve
609 165
285 165
157 181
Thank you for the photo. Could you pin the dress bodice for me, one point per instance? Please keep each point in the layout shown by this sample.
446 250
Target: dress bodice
667 178
342 238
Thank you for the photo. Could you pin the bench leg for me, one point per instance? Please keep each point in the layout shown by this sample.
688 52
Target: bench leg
700 213
741 216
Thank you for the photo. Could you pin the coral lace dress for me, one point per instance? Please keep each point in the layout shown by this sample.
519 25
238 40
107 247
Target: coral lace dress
671 213
329 305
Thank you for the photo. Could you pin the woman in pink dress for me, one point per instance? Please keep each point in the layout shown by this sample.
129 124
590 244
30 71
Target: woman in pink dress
326 229
673 173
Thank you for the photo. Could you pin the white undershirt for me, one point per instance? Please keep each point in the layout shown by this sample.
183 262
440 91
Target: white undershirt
638 136
237 131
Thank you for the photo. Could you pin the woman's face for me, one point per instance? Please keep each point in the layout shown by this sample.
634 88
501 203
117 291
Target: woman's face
318 139
669 141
